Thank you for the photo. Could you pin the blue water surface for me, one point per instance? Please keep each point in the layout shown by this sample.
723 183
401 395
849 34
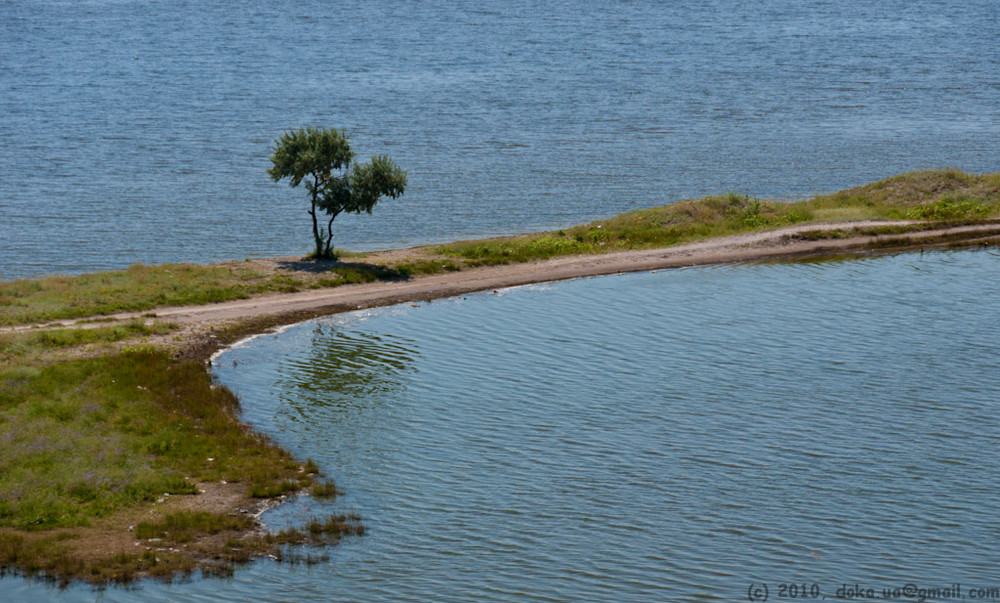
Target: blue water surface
140 131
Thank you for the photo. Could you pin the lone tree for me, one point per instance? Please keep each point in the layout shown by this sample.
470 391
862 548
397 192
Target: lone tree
323 159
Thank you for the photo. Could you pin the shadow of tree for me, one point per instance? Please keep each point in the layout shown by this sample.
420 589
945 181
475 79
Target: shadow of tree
353 272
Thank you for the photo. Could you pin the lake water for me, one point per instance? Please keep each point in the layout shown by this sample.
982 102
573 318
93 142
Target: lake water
139 131
655 436
660 436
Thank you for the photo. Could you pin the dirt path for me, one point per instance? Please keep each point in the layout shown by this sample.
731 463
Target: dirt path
772 244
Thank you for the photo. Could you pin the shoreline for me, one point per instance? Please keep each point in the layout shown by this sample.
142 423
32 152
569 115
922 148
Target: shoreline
261 313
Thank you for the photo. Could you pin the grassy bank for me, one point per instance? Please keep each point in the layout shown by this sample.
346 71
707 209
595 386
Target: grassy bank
937 196
108 436
118 429
143 287
99 432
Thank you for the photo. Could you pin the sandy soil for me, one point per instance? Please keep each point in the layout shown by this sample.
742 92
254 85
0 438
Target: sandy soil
769 245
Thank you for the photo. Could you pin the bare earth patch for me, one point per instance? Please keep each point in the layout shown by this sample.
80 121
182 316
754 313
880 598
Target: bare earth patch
114 535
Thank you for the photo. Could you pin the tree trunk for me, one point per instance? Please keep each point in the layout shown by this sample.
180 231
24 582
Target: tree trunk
312 212
328 252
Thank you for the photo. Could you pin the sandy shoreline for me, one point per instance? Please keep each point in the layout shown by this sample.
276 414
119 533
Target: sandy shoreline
759 246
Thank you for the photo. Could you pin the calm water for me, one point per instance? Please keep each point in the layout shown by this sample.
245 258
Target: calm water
140 130
657 436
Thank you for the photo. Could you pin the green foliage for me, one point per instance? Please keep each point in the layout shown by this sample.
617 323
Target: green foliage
368 182
310 152
322 158
793 216
953 207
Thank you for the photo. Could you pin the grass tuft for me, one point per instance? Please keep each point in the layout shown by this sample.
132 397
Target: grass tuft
325 489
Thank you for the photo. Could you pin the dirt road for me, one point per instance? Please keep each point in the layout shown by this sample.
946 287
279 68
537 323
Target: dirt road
772 244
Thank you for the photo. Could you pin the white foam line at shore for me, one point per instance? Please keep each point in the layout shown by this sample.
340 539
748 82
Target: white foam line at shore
246 340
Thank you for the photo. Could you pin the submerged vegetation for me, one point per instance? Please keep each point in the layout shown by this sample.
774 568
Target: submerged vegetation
179 544
103 426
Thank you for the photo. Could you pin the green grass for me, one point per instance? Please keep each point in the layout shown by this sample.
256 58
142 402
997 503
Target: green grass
325 489
184 526
146 287
84 438
821 234
21 345
427 266
137 288
939 195
352 273
954 207
336 526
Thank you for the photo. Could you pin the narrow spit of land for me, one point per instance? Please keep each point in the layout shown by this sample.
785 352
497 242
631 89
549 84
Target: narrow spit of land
782 243
120 458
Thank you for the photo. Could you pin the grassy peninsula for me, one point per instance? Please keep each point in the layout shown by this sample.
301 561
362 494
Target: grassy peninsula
119 458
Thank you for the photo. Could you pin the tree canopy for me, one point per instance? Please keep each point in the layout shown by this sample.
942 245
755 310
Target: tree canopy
323 159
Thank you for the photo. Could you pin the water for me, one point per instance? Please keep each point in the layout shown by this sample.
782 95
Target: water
140 131
655 436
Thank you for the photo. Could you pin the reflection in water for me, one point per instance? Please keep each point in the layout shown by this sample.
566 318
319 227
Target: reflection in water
344 371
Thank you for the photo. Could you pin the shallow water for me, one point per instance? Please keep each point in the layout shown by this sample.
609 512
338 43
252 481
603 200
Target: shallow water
654 436
140 131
